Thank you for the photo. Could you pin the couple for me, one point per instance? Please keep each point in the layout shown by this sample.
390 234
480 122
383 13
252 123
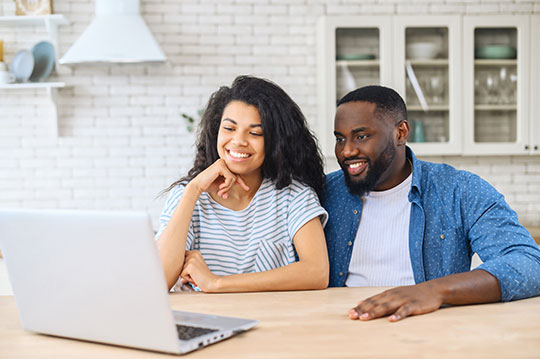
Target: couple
248 215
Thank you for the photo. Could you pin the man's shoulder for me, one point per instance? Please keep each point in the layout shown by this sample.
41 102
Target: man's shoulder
448 179
335 182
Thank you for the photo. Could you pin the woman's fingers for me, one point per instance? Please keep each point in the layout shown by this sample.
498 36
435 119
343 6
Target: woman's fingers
242 183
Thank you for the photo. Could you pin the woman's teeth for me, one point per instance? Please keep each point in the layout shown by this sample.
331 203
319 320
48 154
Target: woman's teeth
238 154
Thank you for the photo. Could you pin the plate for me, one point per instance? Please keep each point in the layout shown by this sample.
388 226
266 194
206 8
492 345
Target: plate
351 57
22 65
495 52
44 57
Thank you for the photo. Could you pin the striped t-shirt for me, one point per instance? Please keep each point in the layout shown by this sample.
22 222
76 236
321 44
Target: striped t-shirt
255 239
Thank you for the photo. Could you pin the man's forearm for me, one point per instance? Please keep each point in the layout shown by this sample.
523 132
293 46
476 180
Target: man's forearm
477 286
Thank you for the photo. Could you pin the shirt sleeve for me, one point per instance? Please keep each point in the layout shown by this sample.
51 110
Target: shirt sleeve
170 206
304 206
506 248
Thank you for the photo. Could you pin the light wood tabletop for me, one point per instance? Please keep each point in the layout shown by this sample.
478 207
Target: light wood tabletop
314 324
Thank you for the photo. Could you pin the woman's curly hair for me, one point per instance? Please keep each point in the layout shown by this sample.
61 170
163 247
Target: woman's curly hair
291 150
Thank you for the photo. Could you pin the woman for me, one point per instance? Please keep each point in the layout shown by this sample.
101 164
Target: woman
248 208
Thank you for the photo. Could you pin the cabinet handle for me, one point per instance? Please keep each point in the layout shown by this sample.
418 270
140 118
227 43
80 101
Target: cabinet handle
536 147
526 147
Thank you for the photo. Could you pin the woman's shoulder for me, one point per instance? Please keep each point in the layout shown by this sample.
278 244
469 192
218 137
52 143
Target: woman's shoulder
294 189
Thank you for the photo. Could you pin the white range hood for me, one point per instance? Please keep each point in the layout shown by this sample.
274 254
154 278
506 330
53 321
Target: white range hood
118 34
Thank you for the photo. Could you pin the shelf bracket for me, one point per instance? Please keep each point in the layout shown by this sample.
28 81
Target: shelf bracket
52 92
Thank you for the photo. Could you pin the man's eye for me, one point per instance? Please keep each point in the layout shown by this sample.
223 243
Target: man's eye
339 139
361 137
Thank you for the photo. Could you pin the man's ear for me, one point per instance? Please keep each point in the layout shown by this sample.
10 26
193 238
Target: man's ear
402 132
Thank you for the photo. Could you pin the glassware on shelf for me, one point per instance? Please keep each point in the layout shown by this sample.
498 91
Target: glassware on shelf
435 88
489 87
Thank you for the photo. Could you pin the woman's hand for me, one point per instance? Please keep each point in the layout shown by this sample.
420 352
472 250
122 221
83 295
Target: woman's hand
217 178
196 272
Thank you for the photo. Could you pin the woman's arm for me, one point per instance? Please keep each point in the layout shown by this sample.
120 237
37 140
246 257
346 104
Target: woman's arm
310 272
172 242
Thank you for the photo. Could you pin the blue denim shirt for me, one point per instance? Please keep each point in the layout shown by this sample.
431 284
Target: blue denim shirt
453 215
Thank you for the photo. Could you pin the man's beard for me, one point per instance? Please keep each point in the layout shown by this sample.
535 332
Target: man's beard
374 172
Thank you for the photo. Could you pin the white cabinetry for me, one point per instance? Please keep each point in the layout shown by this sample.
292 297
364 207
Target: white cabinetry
534 98
353 52
496 91
434 106
460 100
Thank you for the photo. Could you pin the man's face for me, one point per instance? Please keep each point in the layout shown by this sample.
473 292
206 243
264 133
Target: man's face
365 146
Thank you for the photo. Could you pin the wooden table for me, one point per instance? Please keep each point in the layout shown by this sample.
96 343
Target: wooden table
313 324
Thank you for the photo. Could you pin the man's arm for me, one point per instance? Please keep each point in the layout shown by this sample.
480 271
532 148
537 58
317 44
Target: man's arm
477 286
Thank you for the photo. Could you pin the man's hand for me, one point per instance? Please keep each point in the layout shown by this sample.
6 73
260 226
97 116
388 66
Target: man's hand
476 286
399 303
197 273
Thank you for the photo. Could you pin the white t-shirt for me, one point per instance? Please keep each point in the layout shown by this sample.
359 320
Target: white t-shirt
380 254
255 239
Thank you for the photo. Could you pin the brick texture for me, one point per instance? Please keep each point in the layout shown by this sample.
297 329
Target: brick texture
122 139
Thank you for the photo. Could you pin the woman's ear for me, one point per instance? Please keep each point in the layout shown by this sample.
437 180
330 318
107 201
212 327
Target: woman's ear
402 132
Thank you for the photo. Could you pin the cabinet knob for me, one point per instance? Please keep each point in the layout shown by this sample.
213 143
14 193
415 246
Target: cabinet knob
536 147
526 147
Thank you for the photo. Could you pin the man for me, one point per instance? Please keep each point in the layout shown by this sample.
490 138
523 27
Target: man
414 225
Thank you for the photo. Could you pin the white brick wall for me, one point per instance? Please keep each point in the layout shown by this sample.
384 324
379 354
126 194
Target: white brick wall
121 137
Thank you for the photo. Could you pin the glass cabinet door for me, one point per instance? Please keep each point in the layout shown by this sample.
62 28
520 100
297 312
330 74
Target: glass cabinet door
353 52
496 87
428 61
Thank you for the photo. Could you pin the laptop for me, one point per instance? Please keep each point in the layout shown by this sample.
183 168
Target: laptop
97 276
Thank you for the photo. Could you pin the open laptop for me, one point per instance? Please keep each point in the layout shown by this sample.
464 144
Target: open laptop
97 276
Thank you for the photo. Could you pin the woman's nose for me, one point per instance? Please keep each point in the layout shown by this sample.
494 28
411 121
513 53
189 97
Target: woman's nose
239 140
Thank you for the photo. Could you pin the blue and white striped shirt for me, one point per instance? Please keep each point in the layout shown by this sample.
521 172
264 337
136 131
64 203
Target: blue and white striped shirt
255 239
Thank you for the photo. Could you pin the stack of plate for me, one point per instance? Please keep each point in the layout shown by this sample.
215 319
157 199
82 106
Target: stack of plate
34 65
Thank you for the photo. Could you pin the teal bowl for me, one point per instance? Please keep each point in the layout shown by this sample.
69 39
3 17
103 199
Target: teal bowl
495 52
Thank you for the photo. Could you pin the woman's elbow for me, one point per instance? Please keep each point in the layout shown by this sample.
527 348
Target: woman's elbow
320 277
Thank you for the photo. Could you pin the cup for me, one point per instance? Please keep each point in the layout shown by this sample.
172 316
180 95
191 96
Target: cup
6 77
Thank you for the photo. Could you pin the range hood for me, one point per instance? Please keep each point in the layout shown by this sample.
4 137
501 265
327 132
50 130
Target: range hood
118 34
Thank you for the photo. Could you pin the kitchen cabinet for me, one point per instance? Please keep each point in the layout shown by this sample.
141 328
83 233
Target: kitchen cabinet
496 85
51 24
535 87
427 59
460 100
353 52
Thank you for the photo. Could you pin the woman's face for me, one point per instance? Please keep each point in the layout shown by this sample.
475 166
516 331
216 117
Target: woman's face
240 138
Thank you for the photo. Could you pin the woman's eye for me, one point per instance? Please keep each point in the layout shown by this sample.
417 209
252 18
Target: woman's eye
255 133
228 128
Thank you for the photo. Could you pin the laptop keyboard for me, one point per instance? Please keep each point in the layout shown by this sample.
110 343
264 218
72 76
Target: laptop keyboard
186 332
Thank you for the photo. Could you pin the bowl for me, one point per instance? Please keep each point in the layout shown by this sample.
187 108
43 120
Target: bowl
352 57
495 52
422 50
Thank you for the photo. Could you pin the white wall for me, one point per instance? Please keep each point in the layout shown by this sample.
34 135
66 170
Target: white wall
121 137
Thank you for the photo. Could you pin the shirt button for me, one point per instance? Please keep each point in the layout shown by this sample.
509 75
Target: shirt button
443 236
349 244
341 274
355 211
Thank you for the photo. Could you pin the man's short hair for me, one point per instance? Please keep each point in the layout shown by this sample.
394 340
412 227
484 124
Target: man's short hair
389 104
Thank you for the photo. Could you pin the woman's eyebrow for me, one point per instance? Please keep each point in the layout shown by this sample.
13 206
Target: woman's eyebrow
235 123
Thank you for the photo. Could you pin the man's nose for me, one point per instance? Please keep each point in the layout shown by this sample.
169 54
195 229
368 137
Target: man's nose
349 149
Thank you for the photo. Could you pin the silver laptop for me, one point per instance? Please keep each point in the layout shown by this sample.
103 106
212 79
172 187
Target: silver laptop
97 276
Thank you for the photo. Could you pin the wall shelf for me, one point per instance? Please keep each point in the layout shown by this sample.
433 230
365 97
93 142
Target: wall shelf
51 24
52 93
